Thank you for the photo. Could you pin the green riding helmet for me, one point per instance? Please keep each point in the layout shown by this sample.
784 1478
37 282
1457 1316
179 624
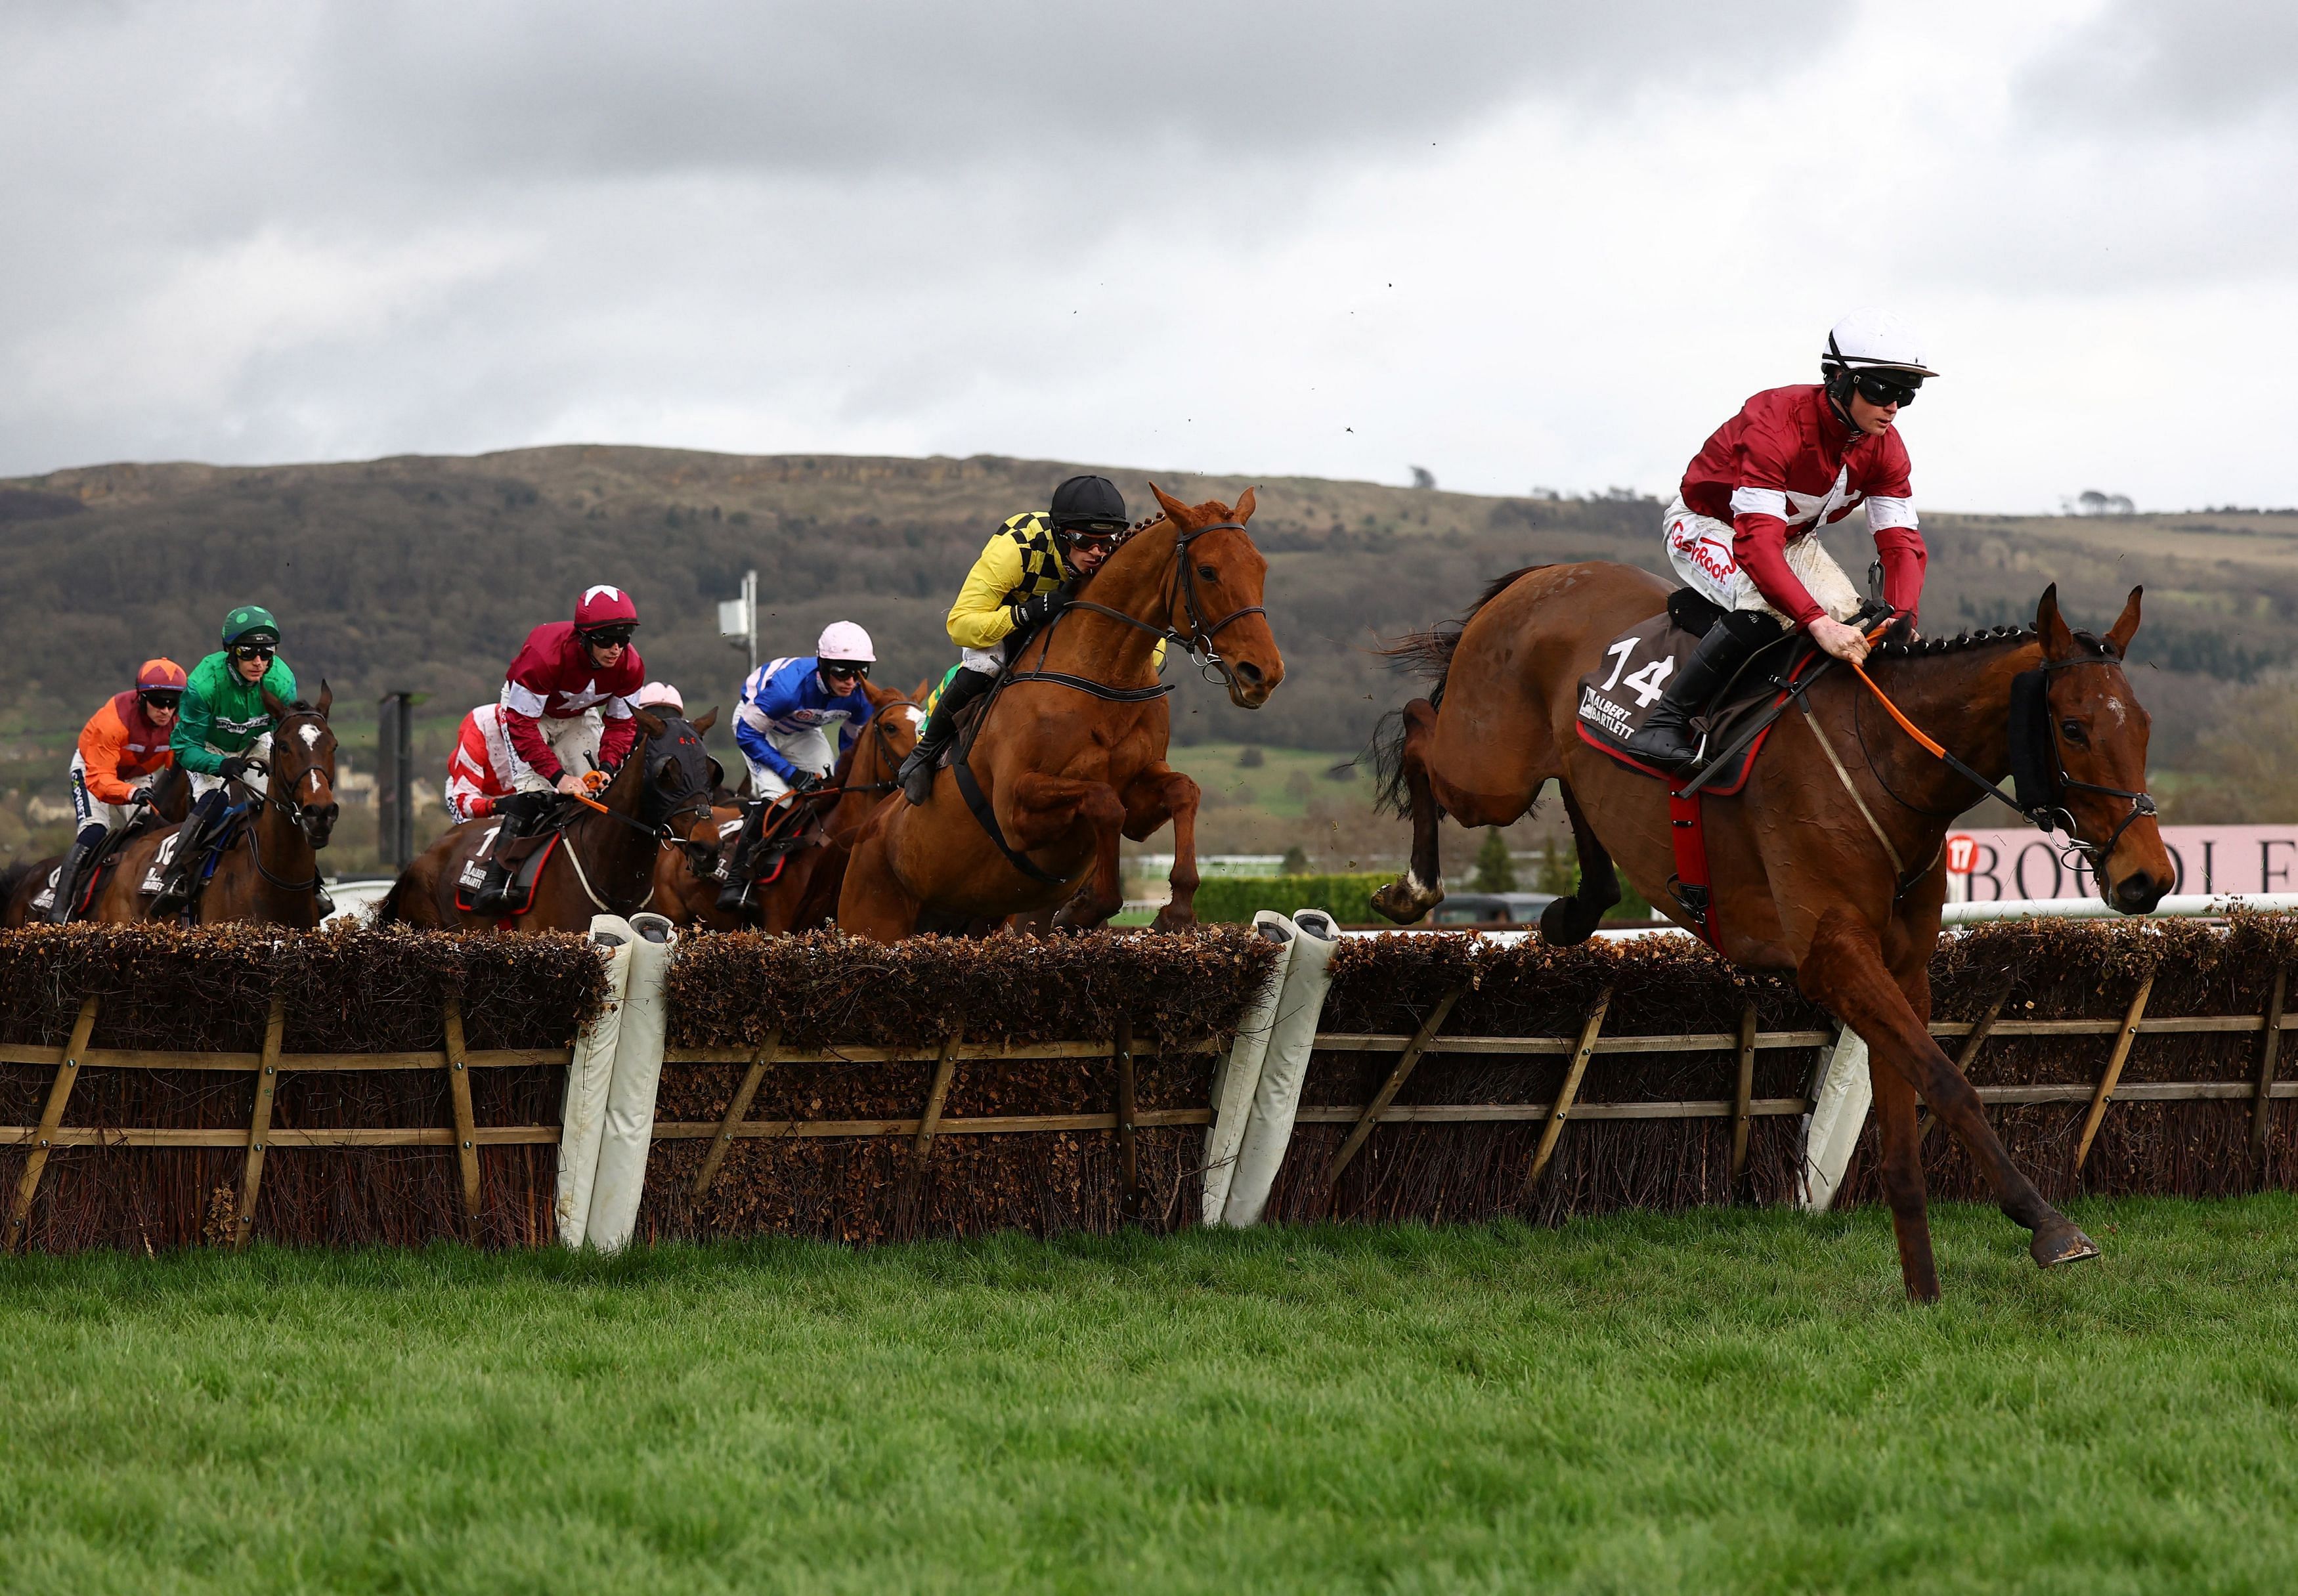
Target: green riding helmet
250 621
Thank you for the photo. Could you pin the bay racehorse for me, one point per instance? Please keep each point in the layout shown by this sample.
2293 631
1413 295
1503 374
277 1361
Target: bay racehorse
1844 890
1068 751
171 794
269 871
603 862
804 891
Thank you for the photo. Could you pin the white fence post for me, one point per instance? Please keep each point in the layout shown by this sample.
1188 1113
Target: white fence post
1839 1112
1276 1099
1239 1074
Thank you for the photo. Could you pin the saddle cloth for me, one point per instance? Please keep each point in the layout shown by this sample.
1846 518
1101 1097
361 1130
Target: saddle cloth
1616 698
225 834
526 855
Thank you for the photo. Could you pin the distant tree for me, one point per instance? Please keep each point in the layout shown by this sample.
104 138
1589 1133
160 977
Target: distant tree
2090 502
1295 861
1423 477
1495 872
1556 874
1250 757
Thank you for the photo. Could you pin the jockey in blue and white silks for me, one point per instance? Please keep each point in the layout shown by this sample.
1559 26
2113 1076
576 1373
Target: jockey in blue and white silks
794 712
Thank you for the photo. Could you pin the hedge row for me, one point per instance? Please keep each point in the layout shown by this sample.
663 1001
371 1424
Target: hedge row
1234 900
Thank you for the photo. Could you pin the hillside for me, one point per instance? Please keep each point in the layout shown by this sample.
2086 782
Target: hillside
424 573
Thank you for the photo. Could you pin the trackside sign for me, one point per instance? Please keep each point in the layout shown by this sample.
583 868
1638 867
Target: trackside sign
1987 866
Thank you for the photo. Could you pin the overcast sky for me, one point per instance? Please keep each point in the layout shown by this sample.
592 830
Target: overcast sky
1521 243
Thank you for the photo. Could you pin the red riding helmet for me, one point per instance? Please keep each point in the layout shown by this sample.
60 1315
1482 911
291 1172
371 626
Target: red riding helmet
160 675
604 607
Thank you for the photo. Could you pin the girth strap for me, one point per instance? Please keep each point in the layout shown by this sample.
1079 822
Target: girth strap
1689 886
977 801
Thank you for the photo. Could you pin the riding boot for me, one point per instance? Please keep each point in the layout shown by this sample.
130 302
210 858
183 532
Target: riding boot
177 887
81 855
516 815
743 860
1666 740
917 773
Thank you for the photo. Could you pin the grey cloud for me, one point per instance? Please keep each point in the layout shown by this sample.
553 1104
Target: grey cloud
2140 64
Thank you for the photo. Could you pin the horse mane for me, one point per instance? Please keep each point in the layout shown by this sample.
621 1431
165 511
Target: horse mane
2088 642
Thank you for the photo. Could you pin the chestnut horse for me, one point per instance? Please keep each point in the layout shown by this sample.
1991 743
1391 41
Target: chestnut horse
1801 880
19 884
270 872
1069 751
805 894
603 862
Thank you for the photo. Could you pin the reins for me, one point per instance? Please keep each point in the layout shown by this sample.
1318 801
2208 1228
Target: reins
2044 815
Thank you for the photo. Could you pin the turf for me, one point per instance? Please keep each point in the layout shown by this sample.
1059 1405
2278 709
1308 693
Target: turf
1712 1401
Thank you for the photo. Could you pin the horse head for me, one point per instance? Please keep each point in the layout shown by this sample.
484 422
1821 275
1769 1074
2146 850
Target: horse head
1219 580
894 724
302 782
677 771
2089 741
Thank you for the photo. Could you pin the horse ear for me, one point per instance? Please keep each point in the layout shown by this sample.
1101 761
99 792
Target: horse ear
280 709
646 724
1245 504
2058 642
1174 508
703 724
2121 634
326 697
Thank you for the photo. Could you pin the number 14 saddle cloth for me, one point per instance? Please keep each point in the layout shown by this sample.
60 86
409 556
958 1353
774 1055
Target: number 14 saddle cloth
1616 698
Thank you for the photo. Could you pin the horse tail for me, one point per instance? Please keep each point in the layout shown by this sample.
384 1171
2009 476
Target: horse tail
13 877
1427 654
388 911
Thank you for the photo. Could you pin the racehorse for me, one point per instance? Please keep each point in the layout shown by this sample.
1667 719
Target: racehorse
1069 751
803 892
1809 872
602 860
171 794
269 869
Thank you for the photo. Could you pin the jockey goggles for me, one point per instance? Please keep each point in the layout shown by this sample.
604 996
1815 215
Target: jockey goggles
845 667
1102 534
255 650
609 637
1877 387
162 698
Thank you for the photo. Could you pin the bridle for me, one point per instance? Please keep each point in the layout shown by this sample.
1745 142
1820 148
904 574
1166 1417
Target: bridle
2039 768
1197 642
266 798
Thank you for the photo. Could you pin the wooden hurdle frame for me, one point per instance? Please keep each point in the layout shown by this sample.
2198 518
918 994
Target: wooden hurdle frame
259 1138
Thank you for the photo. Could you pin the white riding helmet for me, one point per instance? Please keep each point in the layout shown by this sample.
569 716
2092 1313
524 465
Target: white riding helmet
843 640
1873 340
659 695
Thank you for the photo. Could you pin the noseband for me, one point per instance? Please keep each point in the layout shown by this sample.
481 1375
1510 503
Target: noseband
1197 642
2039 766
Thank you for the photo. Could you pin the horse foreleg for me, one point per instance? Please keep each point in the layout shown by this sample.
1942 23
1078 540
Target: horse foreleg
1157 795
1571 921
872 901
1048 807
1421 887
1903 1178
1844 972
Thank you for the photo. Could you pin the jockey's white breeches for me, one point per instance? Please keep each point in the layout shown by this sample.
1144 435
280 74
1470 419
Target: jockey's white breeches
260 748
1699 548
809 748
574 741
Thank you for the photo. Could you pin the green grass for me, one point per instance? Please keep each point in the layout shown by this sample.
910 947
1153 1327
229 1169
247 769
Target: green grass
1719 1401
1284 784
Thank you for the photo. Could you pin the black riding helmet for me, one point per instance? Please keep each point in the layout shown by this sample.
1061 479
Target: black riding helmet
1087 504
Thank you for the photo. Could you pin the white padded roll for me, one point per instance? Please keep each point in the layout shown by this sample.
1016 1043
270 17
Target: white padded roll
628 1124
1239 1075
1839 1113
582 1116
1284 1066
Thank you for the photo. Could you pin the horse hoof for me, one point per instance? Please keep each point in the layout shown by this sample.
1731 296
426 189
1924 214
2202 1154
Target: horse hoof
1403 902
1563 925
2062 1243
1165 922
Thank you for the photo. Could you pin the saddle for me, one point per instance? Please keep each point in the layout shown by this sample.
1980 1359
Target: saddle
524 856
1615 699
105 865
218 843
